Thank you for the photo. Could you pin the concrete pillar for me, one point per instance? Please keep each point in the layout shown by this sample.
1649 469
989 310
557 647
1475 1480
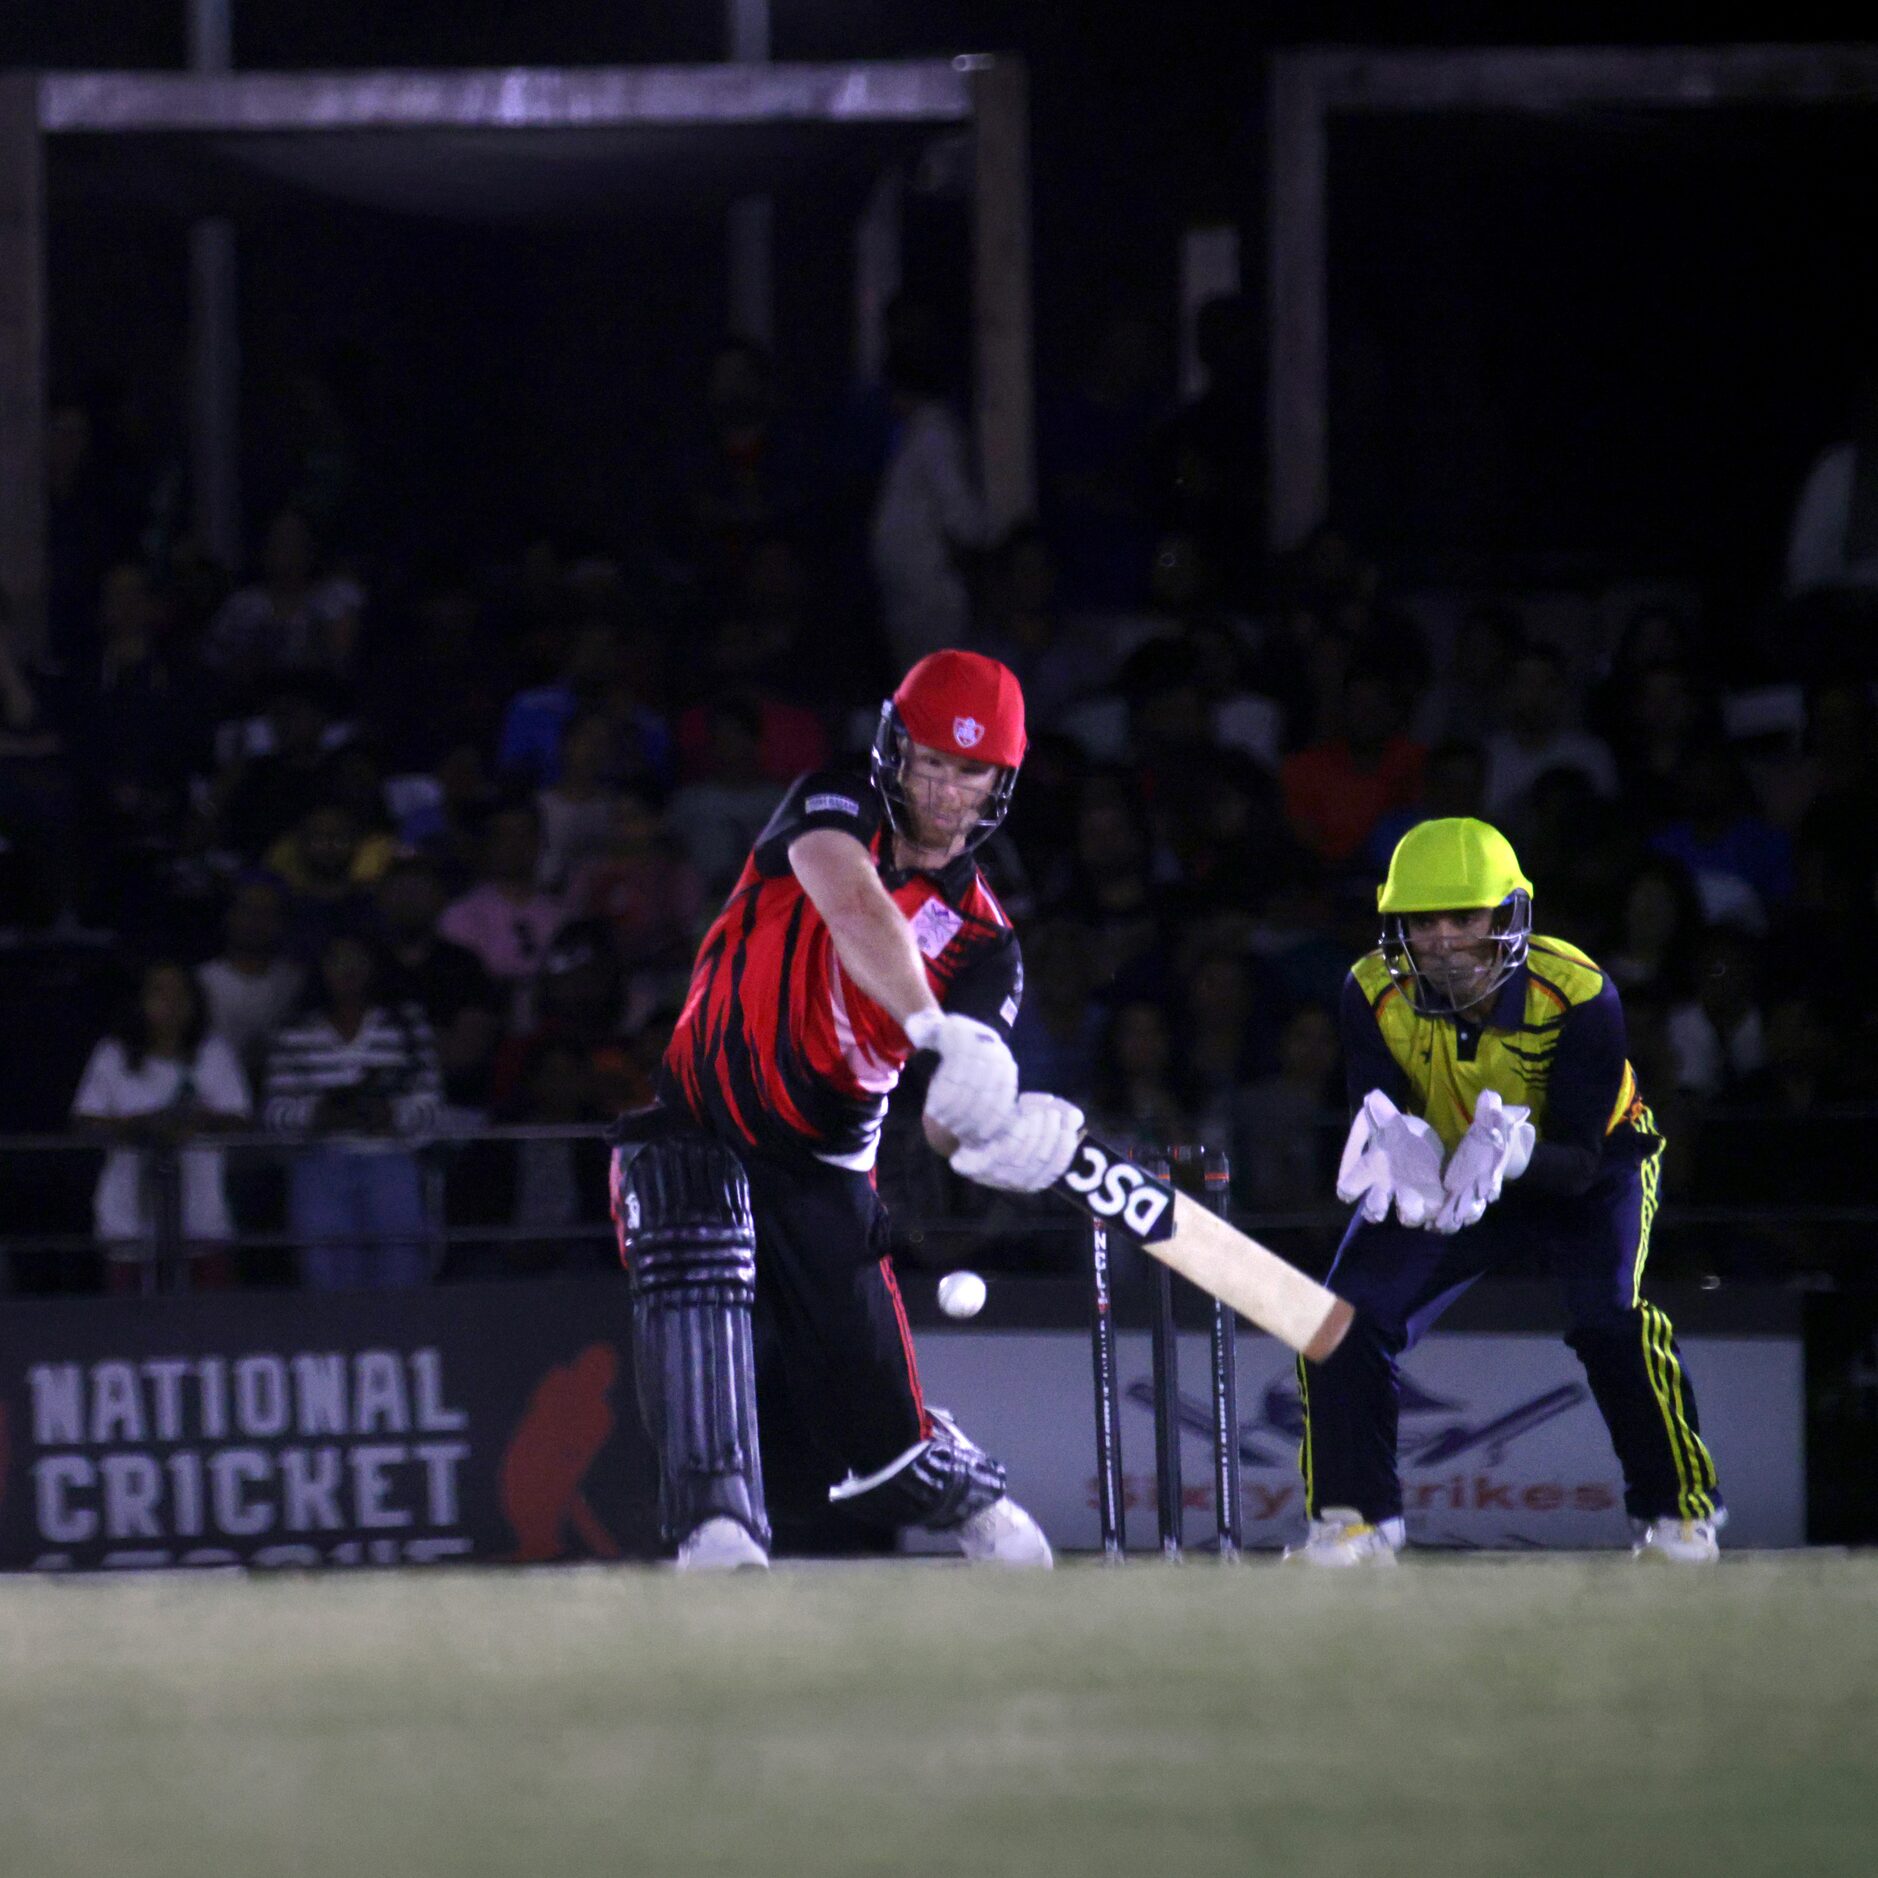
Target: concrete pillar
214 331
22 360
1298 444
211 35
1001 308
750 231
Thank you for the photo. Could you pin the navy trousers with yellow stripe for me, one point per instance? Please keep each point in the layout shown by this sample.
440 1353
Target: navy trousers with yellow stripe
1401 1280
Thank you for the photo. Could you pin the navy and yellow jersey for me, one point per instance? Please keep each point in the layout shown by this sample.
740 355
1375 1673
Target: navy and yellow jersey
1553 1039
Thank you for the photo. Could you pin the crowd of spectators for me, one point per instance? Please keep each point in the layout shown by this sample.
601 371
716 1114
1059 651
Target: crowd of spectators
369 844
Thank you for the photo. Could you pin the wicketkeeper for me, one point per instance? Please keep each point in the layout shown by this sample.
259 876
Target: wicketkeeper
859 932
1495 1112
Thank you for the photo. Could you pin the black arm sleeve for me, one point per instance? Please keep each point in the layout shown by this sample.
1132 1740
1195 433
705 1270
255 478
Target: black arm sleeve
1367 1063
991 986
827 798
1587 1073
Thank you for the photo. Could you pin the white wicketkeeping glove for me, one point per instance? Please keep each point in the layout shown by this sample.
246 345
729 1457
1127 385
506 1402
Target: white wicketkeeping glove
1495 1149
975 1086
1363 1173
1031 1151
1391 1157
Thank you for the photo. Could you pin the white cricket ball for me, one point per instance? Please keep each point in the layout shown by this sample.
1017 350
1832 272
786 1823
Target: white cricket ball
961 1294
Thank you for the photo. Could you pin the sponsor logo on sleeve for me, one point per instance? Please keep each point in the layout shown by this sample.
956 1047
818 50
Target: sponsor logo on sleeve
831 805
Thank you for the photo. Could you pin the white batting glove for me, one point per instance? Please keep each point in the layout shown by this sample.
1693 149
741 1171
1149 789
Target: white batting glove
1391 1158
1031 1151
974 1088
1496 1148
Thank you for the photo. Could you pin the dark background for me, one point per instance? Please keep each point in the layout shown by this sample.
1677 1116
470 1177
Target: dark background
1564 345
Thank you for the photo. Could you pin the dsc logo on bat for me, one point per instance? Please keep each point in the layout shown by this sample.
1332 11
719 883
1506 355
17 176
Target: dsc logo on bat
1114 1189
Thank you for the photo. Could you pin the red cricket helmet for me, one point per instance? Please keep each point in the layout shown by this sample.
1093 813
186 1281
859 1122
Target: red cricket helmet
964 704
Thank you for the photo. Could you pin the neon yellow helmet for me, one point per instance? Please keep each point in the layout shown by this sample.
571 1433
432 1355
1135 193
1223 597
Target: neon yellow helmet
1448 866
1444 866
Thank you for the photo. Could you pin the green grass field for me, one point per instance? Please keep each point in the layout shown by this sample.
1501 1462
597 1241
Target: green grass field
1514 1716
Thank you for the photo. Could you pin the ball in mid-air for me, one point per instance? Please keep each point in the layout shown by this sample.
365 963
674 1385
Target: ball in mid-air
961 1294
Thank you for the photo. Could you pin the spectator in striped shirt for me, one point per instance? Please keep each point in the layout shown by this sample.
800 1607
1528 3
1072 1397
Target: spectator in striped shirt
362 1077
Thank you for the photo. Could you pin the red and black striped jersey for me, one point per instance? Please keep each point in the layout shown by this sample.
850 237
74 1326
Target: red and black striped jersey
777 1047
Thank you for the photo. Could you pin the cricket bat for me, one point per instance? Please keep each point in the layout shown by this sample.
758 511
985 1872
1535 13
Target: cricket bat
1180 1232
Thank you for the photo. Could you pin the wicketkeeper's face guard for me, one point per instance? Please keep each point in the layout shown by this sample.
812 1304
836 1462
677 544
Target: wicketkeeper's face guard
1455 885
1445 975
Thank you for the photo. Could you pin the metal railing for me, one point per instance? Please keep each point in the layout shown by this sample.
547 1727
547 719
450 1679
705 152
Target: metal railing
49 1243
481 1212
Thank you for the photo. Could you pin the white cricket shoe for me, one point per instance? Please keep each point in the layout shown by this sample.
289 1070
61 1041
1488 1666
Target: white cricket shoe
1343 1537
1004 1534
721 1545
1678 1542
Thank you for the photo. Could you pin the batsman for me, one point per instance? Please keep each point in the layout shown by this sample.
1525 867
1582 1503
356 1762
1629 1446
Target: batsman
1495 1112
859 932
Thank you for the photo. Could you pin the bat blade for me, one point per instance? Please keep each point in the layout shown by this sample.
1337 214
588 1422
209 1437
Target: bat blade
1263 1288
1224 1262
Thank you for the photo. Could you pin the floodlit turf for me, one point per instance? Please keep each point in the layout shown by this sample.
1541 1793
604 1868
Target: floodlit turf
1513 1716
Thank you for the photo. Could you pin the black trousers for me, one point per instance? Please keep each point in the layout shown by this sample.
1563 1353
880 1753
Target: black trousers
835 1360
1400 1281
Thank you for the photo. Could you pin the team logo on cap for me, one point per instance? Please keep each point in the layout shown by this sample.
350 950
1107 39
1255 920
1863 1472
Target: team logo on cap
967 732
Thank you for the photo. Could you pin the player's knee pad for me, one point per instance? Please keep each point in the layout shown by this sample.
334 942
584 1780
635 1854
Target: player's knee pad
690 1246
938 1483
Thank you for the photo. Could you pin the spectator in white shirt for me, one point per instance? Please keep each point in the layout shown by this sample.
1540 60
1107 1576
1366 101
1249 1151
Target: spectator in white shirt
248 992
153 1086
577 810
293 617
1832 542
1718 1037
928 517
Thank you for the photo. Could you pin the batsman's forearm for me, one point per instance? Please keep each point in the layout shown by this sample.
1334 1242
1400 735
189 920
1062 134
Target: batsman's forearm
871 937
877 951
